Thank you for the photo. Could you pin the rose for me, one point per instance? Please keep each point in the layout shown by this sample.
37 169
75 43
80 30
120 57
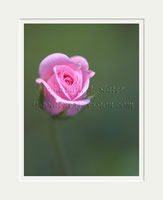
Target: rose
65 82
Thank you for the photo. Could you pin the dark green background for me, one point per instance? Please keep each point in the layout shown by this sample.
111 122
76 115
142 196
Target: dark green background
99 141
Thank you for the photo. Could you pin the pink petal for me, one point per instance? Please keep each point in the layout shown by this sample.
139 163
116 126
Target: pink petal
80 61
62 88
83 96
86 80
74 109
46 66
91 73
51 106
53 83
59 99
84 89
86 74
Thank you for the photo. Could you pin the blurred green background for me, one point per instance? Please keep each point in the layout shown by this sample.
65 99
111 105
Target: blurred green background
101 140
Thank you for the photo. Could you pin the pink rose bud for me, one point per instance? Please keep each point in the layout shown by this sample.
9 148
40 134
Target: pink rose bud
65 82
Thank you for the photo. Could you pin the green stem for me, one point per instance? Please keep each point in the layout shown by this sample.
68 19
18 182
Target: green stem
57 149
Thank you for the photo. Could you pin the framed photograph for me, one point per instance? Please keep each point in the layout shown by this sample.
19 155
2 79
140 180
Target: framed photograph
81 99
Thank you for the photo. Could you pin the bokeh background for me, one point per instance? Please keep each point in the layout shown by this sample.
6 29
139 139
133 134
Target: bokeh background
103 139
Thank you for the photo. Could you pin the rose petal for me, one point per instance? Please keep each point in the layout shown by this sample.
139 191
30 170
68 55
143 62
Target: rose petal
71 90
50 104
46 66
86 79
53 83
74 109
91 73
83 96
59 99
80 61
62 88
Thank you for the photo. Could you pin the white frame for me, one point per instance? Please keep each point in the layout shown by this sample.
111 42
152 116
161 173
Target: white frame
141 176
